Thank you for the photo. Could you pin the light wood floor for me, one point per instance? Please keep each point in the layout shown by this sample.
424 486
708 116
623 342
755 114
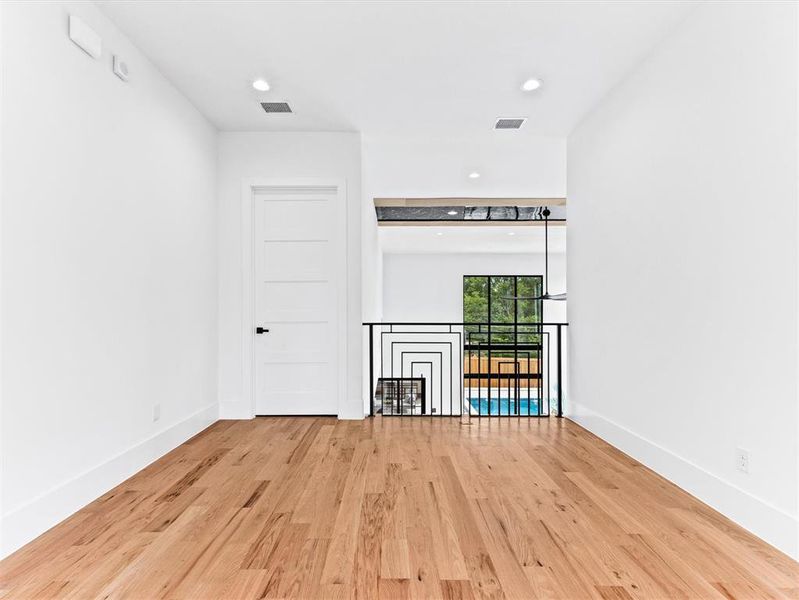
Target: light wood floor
397 508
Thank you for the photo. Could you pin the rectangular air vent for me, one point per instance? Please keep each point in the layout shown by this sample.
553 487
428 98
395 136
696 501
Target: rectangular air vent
510 123
276 107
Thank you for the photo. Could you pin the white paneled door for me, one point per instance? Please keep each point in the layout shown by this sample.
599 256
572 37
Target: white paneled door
299 260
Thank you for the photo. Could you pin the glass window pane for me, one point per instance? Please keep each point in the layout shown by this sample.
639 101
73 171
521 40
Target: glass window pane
482 294
529 310
475 299
503 308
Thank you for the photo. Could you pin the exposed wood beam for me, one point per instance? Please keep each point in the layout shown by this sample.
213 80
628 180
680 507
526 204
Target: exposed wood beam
417 202
468 223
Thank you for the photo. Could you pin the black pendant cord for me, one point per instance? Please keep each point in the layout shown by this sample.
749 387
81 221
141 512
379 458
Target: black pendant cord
546 251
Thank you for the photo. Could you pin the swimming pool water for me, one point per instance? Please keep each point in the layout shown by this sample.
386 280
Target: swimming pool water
504 406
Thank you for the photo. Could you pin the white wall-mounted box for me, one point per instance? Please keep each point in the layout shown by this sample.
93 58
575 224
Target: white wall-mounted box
85 37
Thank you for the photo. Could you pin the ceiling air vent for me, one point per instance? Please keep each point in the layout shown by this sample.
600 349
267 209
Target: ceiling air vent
508 123
276 107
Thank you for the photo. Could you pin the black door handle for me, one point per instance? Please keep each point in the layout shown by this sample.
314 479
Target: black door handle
260 330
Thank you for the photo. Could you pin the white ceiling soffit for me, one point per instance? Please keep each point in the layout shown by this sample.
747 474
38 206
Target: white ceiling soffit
492 240
432 68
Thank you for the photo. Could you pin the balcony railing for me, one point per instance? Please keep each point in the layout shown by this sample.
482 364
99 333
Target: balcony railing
466 369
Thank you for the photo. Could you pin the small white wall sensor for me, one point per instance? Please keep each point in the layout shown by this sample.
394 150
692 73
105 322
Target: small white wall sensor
85 37
120 68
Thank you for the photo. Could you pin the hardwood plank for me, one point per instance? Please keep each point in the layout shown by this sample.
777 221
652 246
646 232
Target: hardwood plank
613 592
395 560
315 508
456 590
393 589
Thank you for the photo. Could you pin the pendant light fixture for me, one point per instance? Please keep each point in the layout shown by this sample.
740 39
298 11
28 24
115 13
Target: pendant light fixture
546 295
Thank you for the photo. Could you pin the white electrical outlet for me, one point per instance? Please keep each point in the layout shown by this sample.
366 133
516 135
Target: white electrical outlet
742 460
156 412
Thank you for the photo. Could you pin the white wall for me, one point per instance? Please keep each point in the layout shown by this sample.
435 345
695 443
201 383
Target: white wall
283 155
108 267
371 274
683 264
511 164
2 284
796 365
429 287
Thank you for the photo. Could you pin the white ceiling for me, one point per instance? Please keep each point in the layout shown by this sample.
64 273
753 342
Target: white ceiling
431 68
476 239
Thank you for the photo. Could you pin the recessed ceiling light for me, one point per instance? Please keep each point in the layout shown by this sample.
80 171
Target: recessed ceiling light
262 85
531 84
474 175
439 233
511 233
452 213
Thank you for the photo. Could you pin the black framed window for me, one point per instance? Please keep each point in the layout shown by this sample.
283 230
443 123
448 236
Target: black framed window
491 300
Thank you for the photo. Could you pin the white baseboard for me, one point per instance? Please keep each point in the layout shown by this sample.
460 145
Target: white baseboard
230 409
772 524
239 411
34 518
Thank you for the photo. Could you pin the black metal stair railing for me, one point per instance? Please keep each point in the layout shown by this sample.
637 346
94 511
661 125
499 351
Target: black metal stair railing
472 369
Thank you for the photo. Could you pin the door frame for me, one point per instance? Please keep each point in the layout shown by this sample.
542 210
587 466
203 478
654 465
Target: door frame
249 188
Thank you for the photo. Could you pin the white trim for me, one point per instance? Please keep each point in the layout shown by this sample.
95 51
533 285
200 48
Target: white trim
248 189
763 519
24 523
